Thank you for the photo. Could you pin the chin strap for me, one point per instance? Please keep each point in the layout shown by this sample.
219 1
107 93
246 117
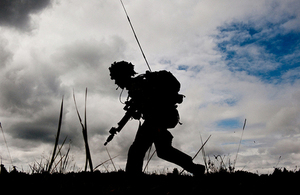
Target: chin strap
120 97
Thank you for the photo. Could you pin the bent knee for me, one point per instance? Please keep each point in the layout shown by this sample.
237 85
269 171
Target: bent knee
163 152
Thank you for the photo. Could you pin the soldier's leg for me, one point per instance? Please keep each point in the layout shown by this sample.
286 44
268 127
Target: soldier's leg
165 150
143 140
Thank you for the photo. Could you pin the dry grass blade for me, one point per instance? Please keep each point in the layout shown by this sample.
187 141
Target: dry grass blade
201 147
203 154
277 162
58 152
105 162
149 160
77 111
88 154
57 135
84 132
6 145
198 151
59 149
110 159
66 161
149 152
237 153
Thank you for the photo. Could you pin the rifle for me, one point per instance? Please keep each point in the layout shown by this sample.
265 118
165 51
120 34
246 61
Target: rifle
130 112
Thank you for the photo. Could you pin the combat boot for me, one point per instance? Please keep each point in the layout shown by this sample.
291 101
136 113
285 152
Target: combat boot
196 169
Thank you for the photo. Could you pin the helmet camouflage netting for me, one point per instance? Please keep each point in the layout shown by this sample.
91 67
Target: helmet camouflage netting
121 69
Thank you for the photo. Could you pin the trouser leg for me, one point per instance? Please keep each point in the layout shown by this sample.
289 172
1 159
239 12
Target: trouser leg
143 140
166 151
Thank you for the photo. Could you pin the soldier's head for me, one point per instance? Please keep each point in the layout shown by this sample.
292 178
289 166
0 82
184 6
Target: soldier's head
121 72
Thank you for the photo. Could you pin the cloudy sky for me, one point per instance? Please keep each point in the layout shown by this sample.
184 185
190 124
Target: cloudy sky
235 60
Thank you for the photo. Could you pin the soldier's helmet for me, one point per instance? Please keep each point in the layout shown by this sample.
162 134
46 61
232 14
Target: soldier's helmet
121 69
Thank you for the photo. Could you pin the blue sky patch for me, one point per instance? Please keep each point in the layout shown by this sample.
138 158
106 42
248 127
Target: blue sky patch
267 53
183 67
231 101
231 123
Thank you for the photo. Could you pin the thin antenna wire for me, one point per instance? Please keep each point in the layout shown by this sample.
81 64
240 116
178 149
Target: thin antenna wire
136 36
6 145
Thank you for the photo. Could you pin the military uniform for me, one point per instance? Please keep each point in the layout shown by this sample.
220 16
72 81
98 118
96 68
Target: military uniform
158 109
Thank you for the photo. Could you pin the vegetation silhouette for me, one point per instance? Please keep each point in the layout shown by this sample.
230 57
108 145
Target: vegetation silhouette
238 182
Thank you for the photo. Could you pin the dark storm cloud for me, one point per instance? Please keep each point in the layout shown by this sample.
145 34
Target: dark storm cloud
86 62
35 130
31 91
26 90
5 54
16 13
43 130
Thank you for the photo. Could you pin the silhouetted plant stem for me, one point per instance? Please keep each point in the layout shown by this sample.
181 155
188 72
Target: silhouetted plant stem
149 160
197 152
105 162
57 135
203 154
201 147
237 153
88 159
112 162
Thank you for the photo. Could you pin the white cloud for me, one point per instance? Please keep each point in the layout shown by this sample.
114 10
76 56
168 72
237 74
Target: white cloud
76 43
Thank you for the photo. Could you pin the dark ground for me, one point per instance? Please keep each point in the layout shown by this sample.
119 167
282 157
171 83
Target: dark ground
280 182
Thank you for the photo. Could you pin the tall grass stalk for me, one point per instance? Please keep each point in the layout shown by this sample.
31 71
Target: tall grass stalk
57 135
203 154
148 157
201 147
88 159
61 165
149 160
66 160
59 149
237 153
222 163
59 153
198 151
105 162
277 162
112 162
6 146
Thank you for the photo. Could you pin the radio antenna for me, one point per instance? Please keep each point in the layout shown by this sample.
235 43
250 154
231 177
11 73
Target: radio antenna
137 40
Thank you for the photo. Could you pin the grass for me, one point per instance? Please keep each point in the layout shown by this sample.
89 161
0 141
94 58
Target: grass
61 162
46 165
84 132
56 174
239 182
237 153
6 145
61 165
57 136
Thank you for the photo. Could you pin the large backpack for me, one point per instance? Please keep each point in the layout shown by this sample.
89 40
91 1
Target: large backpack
163 88
165 85
156 96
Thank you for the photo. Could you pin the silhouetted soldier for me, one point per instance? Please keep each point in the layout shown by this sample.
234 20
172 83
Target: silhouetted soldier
154 96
